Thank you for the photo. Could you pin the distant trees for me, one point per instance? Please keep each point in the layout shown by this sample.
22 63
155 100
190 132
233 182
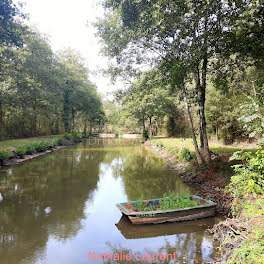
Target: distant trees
45 93
147 99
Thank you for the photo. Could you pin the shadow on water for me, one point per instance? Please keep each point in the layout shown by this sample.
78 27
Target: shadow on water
59 207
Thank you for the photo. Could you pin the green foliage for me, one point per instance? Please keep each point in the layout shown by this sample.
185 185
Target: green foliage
174 200
30 148
252 208
143 206
177 123
33 147
60 141
145 135
171 201
41 146
186 155
43 93
252 249
145 101
74 136
21 151
10 29
84 134
224 126
248 179
252 117
4 155
159 144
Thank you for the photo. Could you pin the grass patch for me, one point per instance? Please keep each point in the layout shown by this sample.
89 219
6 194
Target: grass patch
252 249
175 145
170 201
186 155
15 143
29 146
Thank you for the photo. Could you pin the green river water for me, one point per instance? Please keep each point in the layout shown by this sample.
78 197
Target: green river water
60 208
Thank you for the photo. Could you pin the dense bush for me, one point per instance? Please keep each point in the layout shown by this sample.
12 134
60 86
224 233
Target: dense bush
186 155
145 135
21 151
60 141
248 179
74 136
30 148
4 155
40 146
84 134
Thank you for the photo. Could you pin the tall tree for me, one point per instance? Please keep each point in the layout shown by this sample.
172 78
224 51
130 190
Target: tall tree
10 29
10 36
190 31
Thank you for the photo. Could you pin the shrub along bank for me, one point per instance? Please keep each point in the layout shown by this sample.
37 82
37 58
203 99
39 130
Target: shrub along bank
242 235
19 149
242 238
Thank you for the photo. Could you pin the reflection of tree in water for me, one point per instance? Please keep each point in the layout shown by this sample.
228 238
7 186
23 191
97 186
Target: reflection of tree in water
43 197
146 176
186 247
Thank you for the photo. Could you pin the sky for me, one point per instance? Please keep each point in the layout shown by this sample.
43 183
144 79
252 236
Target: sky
68 23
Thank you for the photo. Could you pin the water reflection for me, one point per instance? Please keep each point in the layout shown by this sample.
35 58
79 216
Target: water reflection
45 196
130 231
57 208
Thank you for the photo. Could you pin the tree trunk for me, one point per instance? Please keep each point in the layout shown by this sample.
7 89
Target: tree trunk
35 118
201 102
143 124
1 112
200 131
73 118
197 152
1 120
216 134
150 128
66 110
85 127
201 96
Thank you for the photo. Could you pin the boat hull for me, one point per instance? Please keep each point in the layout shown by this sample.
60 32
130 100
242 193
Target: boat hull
173 217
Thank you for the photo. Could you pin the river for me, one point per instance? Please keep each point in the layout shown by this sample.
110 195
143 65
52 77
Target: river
60 208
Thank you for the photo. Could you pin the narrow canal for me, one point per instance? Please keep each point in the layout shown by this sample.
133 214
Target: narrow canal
59 207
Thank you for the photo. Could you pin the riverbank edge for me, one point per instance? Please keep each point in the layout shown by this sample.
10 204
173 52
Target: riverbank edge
15 161
207 191
236 236
195 180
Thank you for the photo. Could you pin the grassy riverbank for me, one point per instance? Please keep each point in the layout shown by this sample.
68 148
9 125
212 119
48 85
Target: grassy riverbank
13 143
175 145
239 189
13 151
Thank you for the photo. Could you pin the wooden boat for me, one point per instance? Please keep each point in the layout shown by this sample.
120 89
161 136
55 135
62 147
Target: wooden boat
205 208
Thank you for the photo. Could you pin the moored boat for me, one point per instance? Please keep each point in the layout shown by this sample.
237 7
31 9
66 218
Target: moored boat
204 208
